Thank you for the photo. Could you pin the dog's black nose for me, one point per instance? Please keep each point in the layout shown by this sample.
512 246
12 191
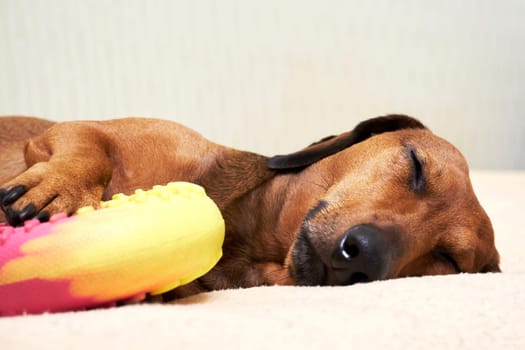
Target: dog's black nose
361 255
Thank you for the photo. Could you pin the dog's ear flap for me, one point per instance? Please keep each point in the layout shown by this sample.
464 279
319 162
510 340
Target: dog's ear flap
333 144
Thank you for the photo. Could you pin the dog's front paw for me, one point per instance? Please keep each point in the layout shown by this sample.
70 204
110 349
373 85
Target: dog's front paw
43 191
16 217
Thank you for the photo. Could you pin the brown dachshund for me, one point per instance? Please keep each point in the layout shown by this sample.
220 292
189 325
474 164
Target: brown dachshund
385 200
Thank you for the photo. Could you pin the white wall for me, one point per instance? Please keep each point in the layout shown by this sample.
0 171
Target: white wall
271 76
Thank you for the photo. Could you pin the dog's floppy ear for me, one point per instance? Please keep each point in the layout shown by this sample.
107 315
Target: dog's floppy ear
333 144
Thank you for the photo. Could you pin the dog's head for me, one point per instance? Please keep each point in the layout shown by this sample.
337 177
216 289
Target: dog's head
398 202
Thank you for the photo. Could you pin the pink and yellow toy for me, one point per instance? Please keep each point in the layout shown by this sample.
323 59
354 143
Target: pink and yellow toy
148 242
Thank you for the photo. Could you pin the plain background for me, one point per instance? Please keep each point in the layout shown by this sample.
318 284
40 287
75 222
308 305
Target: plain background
272 76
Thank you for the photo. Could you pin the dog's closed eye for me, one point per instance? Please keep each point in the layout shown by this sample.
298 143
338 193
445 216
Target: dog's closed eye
417 174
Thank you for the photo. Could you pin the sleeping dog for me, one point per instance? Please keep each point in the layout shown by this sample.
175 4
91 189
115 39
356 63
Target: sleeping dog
387 199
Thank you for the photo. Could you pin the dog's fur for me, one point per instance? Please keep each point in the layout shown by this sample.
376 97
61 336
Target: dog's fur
385 200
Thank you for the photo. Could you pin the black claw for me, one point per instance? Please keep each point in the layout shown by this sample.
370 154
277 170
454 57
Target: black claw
12 216
13 194
28 212
3 192
43 216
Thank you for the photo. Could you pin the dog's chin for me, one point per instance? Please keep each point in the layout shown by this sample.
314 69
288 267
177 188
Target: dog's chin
307 267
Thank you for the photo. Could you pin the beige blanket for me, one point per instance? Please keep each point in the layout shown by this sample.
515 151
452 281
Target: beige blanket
485 311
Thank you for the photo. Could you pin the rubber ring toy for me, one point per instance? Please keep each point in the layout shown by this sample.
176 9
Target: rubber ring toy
148 242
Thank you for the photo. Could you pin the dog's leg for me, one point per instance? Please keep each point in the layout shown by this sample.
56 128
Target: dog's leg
68 167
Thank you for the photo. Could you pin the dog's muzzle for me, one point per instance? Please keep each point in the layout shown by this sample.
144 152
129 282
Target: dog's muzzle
364 253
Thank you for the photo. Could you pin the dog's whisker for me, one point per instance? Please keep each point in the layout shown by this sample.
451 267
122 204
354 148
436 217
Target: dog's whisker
284 280
277 276
319 185
272 272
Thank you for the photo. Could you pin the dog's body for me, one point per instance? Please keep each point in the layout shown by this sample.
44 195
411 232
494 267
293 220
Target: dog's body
386 200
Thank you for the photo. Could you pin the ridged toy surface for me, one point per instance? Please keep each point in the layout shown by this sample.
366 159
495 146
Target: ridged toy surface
148 242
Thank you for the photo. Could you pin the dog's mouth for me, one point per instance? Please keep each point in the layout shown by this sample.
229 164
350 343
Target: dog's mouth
308 268
363 253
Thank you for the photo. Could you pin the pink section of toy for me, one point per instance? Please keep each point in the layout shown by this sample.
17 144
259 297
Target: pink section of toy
12 238
38 296
33 294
